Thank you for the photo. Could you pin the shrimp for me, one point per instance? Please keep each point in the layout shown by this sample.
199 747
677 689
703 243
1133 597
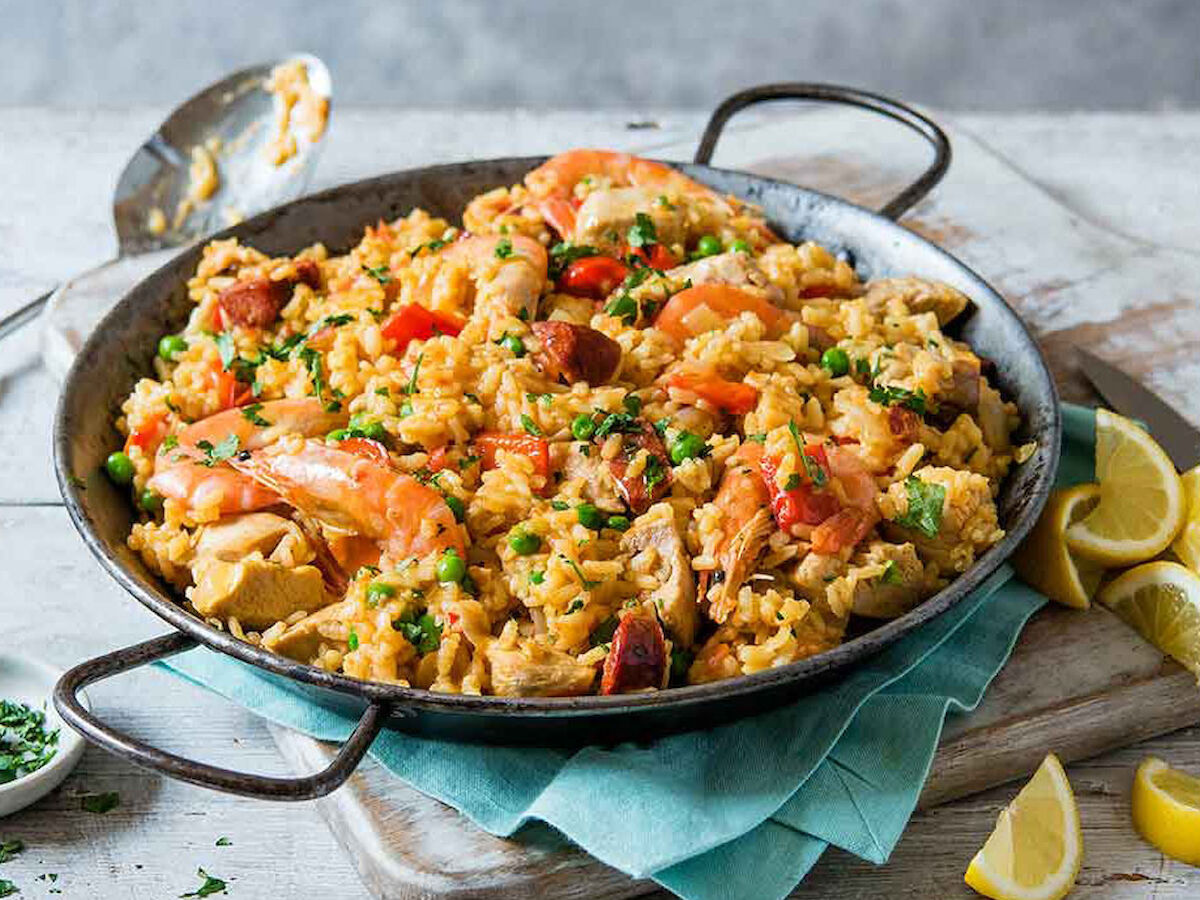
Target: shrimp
706 307
350 495
509 273
745 526
183 472
855 520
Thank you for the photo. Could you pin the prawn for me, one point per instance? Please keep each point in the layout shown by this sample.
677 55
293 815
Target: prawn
852 523
705 307
185 473
352 496
509 272
746 524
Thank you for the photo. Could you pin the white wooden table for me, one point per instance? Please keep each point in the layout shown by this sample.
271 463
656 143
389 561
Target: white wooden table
1133 174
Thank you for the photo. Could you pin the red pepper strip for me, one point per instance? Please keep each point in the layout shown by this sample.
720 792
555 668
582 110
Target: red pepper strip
488 443
439 459
805 503
657 257
148 437
414 322
593 276
728 396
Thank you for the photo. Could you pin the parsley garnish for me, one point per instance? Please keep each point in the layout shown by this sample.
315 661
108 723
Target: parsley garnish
432 246
886 395
759 438
624 308
504 248
227 449
793 482
563 254
424 633
632 404
654 472
101 803
925 503
642 233
211 885
411 387
891 573
170 442
312 361
618 423
224 842
546 399
7 888
603 633
813 469
559 505
588 585
576 605
530 426
382 274
250 414
9 849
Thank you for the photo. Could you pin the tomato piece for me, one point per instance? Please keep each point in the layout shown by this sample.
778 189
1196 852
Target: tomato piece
844 529
805 503
413 322
149 436
593 276
367 449
488 443
731 397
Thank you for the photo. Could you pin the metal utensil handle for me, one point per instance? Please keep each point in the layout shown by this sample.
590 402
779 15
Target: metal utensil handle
27 313
832 93
66 700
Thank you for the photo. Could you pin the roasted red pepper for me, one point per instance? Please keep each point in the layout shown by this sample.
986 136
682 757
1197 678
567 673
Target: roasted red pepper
414 322
488 443
593 276
810 502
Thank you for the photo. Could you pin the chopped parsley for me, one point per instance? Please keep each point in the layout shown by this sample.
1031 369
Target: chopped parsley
588 585
226 348
316 372
925 503
632 404
624 307
813 469
559 505
891 573
603 633
530 426
382 274
100 803
793 482
251 414
9 849
423 633
504 248
211 885
7 888
565 253
576 605
170 442
642 233
224 842
411 388
758 438
617 423
887 395
654 472
546 399
432 246
227 449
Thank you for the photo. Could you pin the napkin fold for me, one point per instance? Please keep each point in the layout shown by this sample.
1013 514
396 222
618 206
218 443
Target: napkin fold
743 810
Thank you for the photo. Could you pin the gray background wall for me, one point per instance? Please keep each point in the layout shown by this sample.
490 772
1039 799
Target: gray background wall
956 54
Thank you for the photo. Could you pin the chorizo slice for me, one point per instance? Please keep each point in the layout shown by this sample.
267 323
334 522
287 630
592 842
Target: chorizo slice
571 353
638 658
255 302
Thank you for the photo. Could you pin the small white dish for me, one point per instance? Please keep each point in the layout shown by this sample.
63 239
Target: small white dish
29 681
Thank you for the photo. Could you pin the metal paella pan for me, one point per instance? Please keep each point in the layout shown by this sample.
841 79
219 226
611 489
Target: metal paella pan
120 351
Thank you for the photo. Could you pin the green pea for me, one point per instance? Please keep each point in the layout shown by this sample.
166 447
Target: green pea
379 590
119 468
739 246
708 246
618 523
339 434
456 507
523 543
686 446
589 516
375 431
582 427
150 501
450 568
170 345
406 409
835 361
352 640
514 344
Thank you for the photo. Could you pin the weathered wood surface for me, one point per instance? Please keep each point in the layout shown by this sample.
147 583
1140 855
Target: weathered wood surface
1131 175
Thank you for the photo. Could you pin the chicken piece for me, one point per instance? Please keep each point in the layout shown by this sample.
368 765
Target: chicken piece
235 537
917 296
301 640
599 486
638 658
948 515
654 480
994 419
657 551
814 573
737 269
893 592
534 670
571 353
604 218
256 592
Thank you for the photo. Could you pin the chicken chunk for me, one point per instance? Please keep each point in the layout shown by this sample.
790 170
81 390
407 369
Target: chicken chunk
737 269
236 537
658 552
893 591
301 640
917 296
256 592
605 217
534 670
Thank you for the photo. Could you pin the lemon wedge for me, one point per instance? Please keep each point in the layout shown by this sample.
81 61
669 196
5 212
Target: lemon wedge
1162 601
1166 809
1141 504
1187 545
1037 847
1043 560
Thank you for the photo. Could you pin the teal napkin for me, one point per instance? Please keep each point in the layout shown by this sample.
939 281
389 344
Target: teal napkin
743 810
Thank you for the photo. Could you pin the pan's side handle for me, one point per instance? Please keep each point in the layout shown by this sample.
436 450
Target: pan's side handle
75 714
832 93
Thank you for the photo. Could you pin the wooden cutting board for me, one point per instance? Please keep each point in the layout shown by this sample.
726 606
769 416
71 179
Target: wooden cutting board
1078 683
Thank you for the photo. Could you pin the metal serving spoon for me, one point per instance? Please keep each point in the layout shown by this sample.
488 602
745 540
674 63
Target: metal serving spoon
234 119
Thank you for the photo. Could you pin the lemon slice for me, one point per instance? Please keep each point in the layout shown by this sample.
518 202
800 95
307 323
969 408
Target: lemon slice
1037 847
1043 560
1187 545
1141 497
1166 809
1162 601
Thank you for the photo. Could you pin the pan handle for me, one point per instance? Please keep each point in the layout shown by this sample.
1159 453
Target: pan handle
832 93
264 787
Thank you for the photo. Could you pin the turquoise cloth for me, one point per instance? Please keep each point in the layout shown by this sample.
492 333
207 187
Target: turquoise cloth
740 811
